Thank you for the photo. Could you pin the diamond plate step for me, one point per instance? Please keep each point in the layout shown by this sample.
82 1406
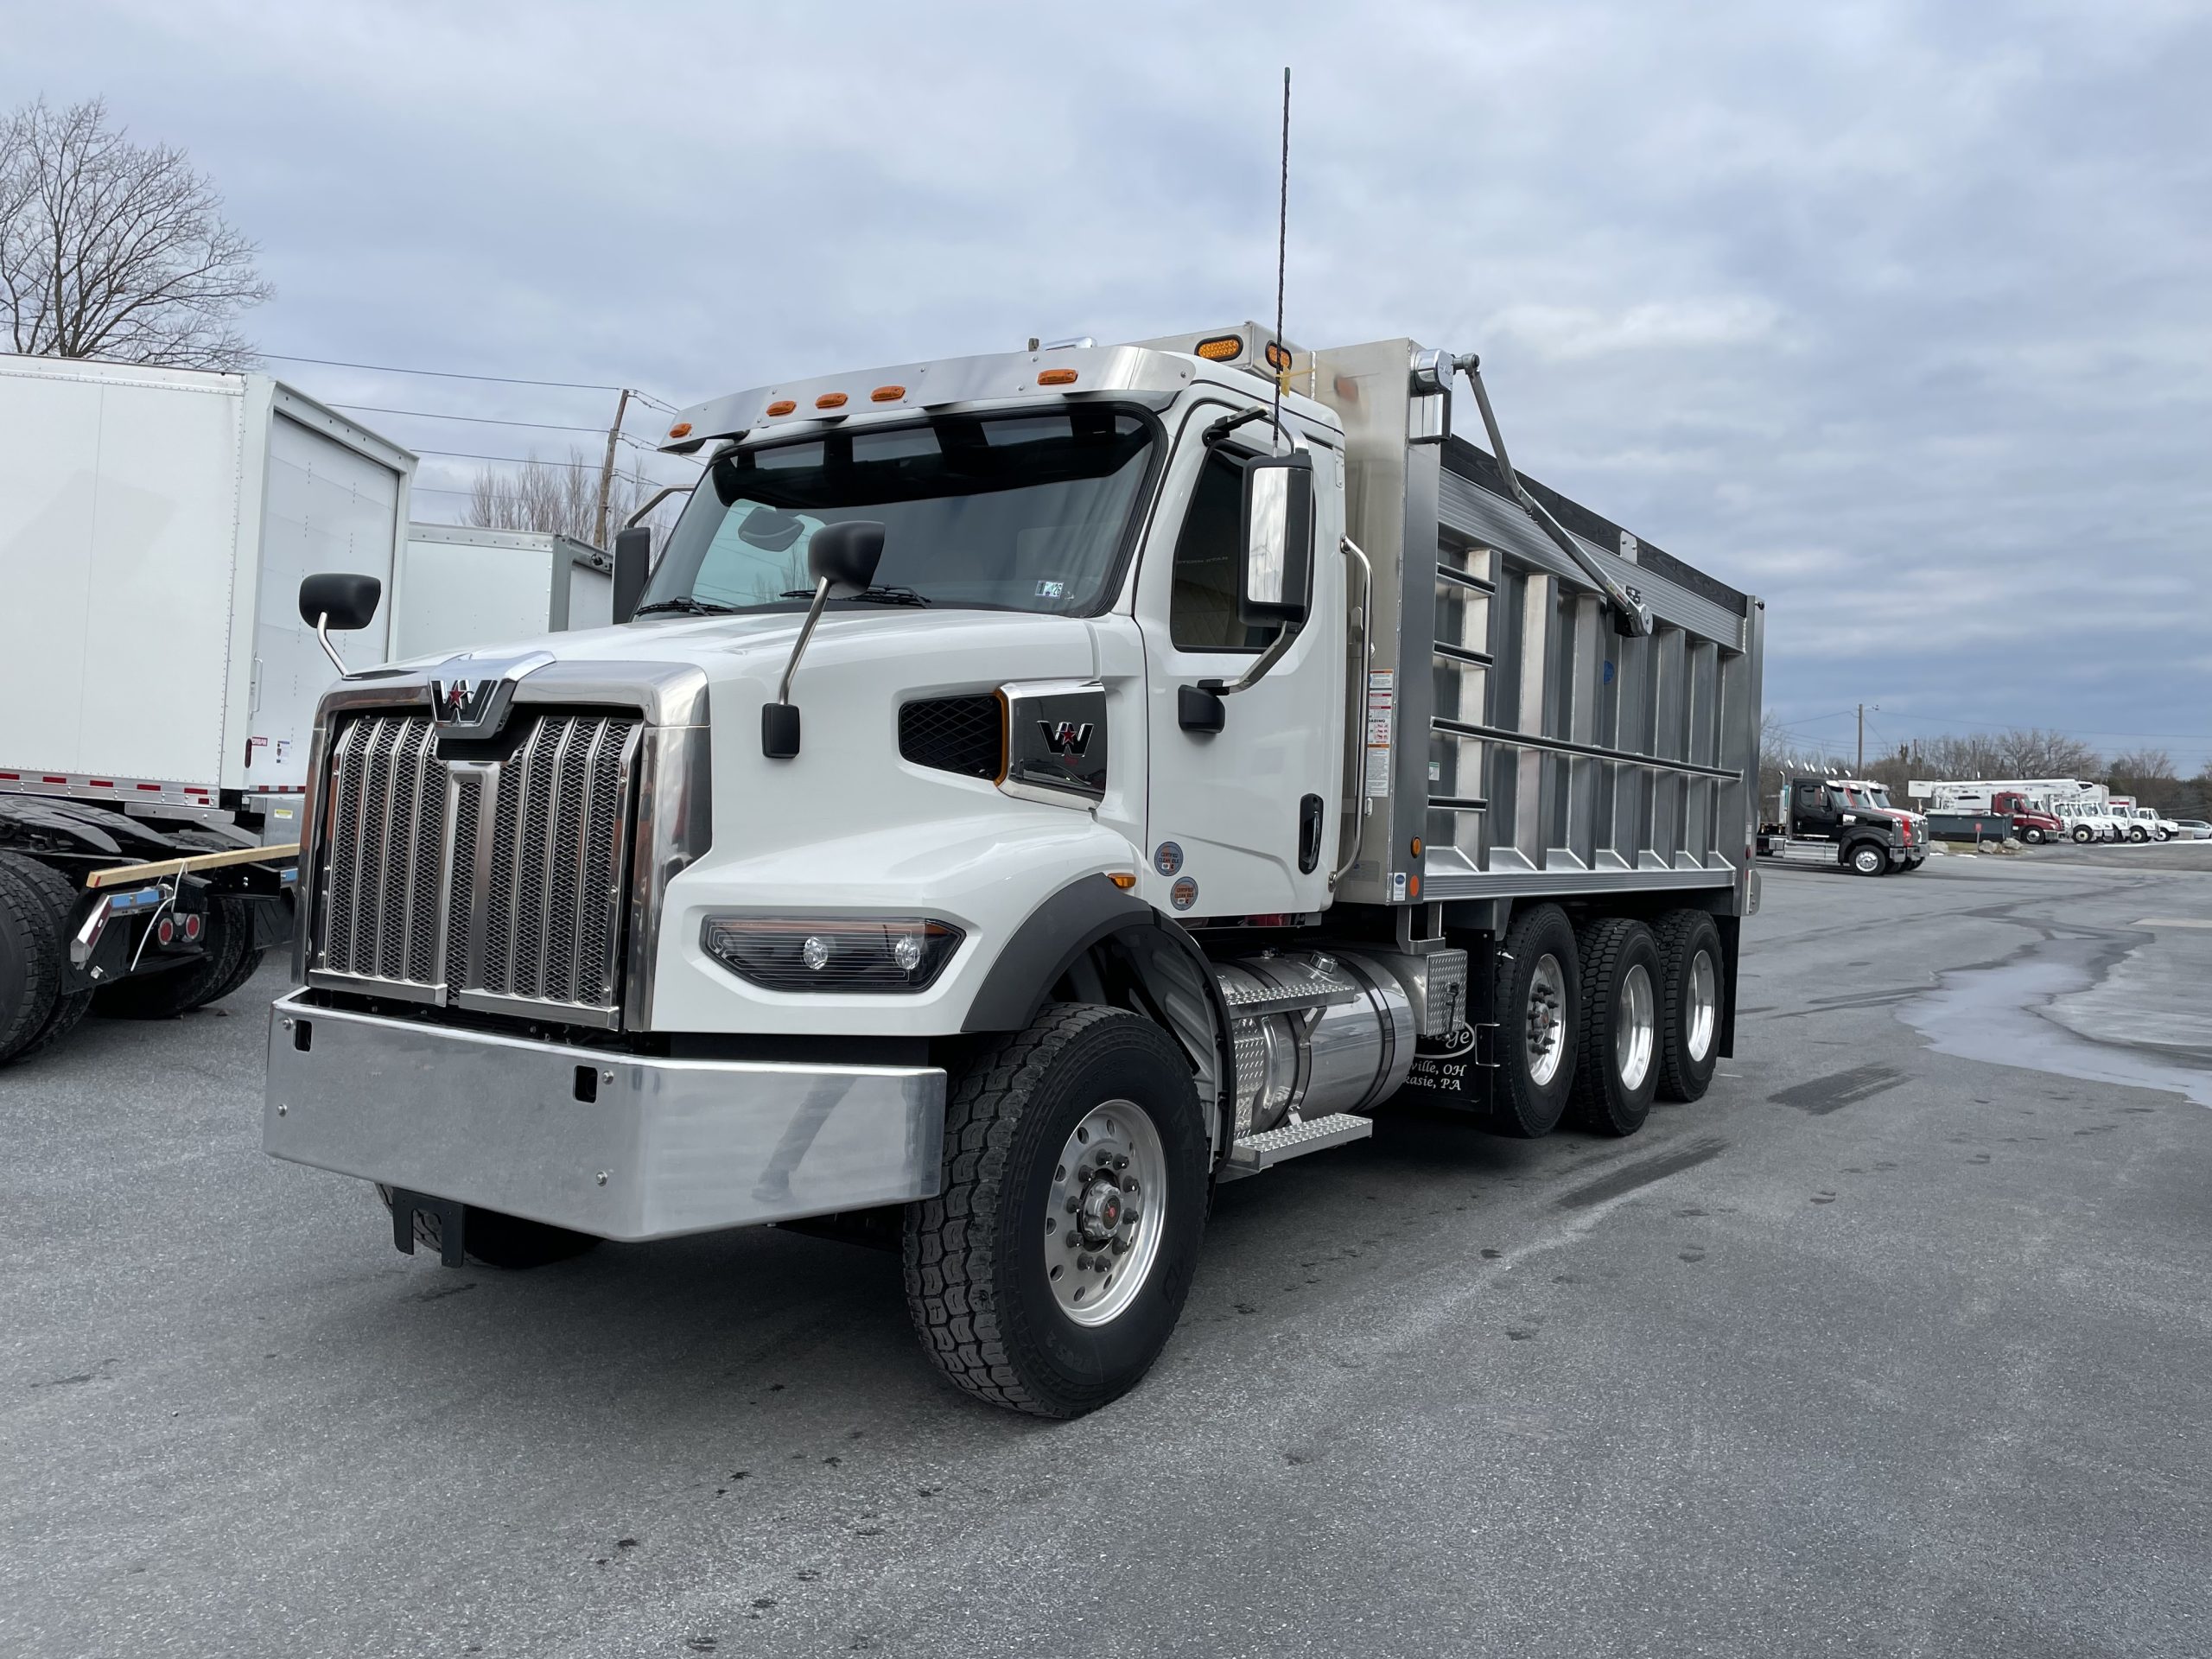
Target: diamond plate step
1272 1147
1248 1002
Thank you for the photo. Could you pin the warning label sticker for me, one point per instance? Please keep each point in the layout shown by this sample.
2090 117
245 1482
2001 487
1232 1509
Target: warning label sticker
1382 714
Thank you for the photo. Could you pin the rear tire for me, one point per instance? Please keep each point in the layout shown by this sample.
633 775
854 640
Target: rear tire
1534 992
1618 1037
60 900
995 1280
31 961
1693 989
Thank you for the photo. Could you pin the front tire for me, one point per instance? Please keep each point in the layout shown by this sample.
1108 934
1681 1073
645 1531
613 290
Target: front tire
1051 1270
1867 859
2083 835
2139 834
1536 991
1617 1040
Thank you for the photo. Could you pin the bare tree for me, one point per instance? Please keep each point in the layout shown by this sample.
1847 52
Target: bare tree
561 496
114 250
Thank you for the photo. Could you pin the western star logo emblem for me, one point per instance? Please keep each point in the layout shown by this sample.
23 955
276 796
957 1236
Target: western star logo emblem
1065 738
462 702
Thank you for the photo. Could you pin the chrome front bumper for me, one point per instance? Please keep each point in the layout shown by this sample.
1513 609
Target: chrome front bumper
662 1147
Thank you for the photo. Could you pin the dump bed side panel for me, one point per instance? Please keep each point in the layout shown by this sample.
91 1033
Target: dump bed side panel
1534 749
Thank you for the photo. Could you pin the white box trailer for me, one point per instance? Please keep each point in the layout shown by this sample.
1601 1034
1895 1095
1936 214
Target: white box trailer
154 524
461 588
157 685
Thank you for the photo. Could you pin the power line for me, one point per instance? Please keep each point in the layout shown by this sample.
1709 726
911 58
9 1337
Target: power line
474 420
526 461
445 374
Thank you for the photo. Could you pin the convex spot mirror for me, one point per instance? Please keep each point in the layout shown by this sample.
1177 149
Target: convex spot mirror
349 601
1276 584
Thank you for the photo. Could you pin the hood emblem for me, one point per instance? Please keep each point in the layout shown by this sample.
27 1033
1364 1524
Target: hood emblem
469 694
1068 739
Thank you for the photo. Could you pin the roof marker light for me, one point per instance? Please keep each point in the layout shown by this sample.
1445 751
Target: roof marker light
1056 378
886 394
681 429
1221 348
783 406
830 400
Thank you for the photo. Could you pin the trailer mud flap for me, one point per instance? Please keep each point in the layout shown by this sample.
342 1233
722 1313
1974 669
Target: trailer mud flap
448 1214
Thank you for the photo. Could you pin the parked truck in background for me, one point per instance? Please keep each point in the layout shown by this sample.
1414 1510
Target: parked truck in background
157 687
1035 787
462 587
1839 822
1968 811
2140 822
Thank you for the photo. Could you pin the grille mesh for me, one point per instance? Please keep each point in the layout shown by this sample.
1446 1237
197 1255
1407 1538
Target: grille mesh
962 735
546 924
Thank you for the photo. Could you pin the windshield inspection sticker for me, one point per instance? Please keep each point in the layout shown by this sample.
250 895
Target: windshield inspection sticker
1184 893
1167 858
1051 590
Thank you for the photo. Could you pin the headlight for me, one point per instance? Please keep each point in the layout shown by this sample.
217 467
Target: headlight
832 953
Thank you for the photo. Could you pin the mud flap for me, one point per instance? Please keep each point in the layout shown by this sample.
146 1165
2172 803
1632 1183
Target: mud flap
447 1213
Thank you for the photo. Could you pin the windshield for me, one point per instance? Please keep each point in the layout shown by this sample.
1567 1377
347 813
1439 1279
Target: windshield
1023 512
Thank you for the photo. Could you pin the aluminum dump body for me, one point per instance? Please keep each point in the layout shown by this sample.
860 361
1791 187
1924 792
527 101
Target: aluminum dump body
1529 746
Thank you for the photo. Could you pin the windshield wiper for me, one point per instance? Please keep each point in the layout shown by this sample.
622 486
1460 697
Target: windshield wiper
877 595
688 606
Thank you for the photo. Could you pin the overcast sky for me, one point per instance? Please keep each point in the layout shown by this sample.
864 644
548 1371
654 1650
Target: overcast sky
1899 315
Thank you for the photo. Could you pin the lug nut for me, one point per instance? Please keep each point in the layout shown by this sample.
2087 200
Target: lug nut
1074 1204
1120 1163
1083 1261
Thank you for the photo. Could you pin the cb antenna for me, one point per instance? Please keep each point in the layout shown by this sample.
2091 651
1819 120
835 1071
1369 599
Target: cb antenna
1282 241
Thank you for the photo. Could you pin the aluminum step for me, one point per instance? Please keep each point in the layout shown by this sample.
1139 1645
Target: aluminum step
1272 1147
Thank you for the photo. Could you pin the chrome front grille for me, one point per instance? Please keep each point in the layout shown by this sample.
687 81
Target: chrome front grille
494 884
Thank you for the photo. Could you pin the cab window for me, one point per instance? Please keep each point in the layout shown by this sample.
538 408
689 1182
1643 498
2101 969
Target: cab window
1202 605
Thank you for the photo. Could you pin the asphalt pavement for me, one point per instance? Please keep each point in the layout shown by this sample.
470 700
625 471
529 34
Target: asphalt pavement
1896 1343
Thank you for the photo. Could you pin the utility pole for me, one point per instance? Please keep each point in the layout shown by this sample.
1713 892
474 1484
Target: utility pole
606 469
1863 708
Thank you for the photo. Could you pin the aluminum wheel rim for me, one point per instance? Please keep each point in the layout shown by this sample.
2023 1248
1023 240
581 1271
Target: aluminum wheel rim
1546 1005
1635 1027
1104 1217
1867 858
1704 1010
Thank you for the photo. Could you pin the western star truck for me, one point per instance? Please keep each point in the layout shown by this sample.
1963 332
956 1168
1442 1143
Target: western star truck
157 687
1842 823
1033 788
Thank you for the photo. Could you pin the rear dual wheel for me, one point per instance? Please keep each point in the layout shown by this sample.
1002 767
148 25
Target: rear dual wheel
1618 1037
34 960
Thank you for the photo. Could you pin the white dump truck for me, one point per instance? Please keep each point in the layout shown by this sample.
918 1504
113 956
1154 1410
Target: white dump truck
1033 788
157 686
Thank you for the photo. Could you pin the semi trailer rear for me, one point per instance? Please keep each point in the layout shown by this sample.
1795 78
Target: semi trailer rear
157 687
1034 788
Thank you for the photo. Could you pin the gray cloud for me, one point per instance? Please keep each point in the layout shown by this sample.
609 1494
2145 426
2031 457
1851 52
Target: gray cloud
1893 313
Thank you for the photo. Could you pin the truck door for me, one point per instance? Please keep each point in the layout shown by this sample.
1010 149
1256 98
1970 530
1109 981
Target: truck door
1244 821
1813 815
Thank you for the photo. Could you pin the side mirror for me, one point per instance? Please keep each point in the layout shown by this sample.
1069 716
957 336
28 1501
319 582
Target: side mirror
846 555
633 558
341 601
1276 584
842 556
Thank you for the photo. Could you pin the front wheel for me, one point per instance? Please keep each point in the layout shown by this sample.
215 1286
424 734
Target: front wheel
1867 859
2084 835
2032 836
1049 1272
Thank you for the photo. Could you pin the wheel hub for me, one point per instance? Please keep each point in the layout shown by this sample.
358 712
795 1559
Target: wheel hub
1546 1000
1101 1217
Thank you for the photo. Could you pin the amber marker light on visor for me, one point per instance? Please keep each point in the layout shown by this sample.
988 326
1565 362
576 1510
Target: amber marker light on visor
830 400
1221 347
1056 378
782 406
681 429
886 394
